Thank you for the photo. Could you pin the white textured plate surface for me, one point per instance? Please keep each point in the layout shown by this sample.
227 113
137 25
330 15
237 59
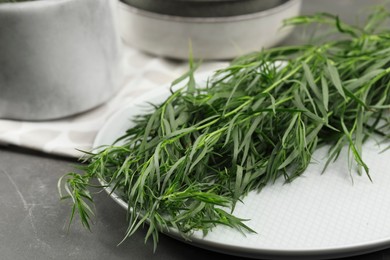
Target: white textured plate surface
316 216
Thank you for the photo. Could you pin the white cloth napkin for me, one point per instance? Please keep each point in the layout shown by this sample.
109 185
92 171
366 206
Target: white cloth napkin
67 136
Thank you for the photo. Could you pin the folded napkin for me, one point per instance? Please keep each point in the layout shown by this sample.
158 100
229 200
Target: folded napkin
69 136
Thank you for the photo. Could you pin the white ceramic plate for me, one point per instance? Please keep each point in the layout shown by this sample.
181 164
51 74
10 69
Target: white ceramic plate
316 216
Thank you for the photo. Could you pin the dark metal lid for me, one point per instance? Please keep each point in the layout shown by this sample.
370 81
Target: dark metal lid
204 8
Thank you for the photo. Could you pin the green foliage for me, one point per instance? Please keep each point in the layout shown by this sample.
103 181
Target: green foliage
187 163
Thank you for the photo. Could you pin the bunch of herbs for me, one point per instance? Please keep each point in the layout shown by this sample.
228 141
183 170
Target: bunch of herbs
185 164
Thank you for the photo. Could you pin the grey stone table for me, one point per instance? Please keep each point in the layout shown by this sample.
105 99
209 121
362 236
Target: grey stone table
33 222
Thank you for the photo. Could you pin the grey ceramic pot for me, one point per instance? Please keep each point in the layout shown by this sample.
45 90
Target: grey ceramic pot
217 37
203 8
57 57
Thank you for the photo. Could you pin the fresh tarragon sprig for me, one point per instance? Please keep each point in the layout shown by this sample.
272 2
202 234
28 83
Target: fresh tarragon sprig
187 162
